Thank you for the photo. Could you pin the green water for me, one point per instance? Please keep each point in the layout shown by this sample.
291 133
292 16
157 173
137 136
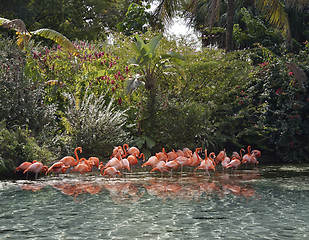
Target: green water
270 202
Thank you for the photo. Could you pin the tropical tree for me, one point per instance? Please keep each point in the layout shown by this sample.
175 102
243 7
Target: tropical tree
136 19
149 68
273 10
78 19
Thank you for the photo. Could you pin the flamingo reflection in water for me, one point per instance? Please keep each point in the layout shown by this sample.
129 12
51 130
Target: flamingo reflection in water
192 188
34 187
124 193
170 190
77 188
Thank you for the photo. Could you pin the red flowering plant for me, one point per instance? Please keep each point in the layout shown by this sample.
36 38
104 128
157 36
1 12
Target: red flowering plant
278 106
90 67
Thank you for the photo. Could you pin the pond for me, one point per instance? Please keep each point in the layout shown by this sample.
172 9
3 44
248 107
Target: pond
269 202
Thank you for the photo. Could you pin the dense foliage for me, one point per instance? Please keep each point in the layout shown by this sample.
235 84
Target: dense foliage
79 19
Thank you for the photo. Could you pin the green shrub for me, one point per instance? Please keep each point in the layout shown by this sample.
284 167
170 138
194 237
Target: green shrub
93 124
21 97
275 104
17 146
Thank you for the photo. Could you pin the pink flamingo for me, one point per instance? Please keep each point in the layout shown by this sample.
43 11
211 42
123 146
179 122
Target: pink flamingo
24 166
238 155
125 164
187 152
152 161
196 159
160 167
68 160
36 168
172 155
183 161
94 161
101 165
225 162
117 152
208 163
256 153
180 153
172 165
234 164
162 156
220 157
250 158
57 168
83 167
133 151
132 160
110 171
114 162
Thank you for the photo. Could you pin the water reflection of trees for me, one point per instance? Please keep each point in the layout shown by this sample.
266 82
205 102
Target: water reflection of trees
192 187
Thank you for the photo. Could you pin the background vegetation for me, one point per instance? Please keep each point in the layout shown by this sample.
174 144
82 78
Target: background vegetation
52 100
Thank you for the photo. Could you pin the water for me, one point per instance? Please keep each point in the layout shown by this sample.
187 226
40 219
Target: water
270 202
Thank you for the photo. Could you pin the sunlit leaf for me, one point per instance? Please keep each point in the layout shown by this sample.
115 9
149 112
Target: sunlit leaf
57 37
154 43
53 82
22 39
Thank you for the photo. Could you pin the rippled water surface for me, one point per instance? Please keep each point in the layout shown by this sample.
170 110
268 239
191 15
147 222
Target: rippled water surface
270 202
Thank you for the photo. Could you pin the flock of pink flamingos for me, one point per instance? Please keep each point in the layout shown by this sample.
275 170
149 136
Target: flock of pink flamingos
124 157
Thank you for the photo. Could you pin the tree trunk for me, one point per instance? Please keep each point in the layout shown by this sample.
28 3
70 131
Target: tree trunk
229 26
151 104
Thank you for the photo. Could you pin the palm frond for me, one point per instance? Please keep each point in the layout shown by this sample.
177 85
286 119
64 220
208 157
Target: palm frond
17 24
214 15
298 4
166 9
57 37
276 15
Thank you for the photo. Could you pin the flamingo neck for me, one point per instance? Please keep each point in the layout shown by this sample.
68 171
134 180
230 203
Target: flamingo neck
76 155
241 150
212 157
196 152
249 150
142 156
125 148
86 162
163 150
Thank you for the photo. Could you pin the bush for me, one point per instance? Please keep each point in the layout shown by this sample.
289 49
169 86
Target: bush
21 98
275 103
93 124
17 146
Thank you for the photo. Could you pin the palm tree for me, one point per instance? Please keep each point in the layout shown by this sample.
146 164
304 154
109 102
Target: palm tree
151 65
24 36
274 11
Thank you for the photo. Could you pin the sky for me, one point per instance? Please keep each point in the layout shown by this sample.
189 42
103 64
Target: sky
179 28
178 25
